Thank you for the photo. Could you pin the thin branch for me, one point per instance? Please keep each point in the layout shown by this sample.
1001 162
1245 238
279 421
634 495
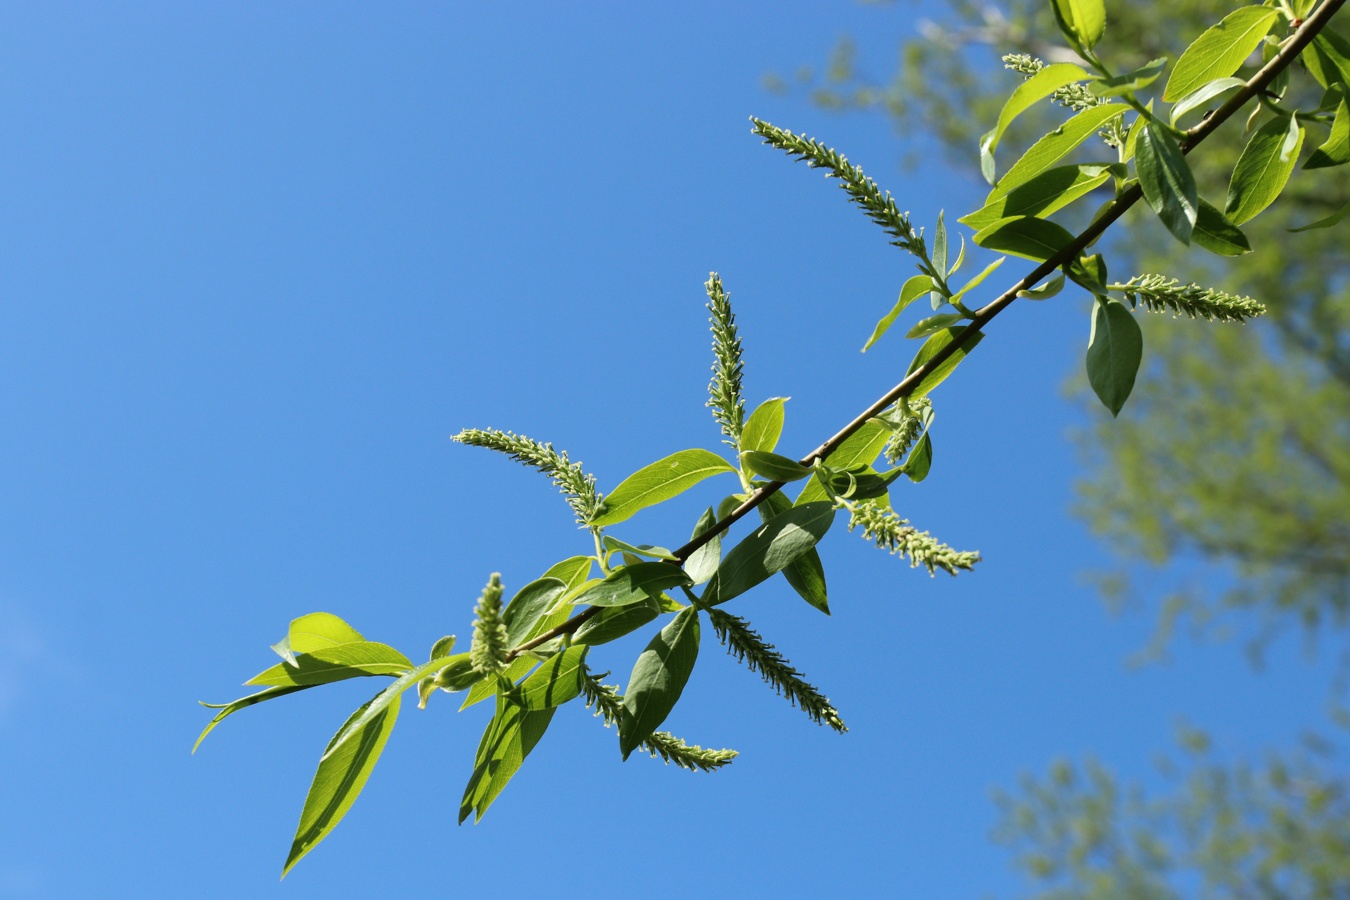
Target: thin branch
1257 83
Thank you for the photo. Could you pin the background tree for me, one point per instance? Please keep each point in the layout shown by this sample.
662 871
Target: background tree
1229 473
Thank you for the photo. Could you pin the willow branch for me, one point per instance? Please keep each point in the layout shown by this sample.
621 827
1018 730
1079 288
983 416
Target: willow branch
1193 138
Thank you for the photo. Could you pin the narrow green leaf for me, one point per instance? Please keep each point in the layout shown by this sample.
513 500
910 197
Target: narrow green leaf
1049 191
861 449
335 663
507 740
912 290
634 583
931 348
1328 59
229 709
774 467
1119 85
1045 291
1082 21
1025 236
1218 235
920 459
530 604
806 573
1089 272
556 681
940 244
1028 93
925 327
658 679
487 687
1336 151
342 773
702 563
1167 182
975 282
768 549
1115 349
764 426
613 622
1263 168
1203 94
658 482
1055 146
1329 221
572 571
613 544
1220 51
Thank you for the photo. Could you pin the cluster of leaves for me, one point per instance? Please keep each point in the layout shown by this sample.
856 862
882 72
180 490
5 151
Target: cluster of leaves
530 654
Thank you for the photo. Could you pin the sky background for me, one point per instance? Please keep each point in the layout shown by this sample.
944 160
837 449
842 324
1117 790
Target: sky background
259 261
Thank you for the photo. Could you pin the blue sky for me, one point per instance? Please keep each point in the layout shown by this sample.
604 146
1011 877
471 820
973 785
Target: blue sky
260 261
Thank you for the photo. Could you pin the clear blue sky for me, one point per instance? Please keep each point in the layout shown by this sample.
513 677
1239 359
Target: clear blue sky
259 261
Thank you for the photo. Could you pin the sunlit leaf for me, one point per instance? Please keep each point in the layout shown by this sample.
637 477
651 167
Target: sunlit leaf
1025 236
1220 51
1263 168
634 583
660 481
228 709
1049 191
1055 146
806 573
912 290
508 739
774 467
1336 150
1167 182
556 681
860 449
764 426
703 562
335 663
1203 94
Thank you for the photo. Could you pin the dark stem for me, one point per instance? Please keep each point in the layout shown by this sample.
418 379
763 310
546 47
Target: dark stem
1194 136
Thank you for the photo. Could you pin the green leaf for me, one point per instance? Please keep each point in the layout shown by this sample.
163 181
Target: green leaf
925 327
335 663
768 549
1140 78
1045 291
342 773
912 290
1115 349
1089 272
1330 220
1218 235
860 483
702 563
1203 94
613 622
613 544
530 604
1028 93
931 348
556 681
1082 21
1220 51
459 673
228 709
1025 236
940 244
507 740
774 467
631 584
658 482
658 679
572 571
764 426
806 573
920 459
1336 151
487 687
1049 191
1328 58
312 632
975 282
1263 168
860 449
1167 182
1055 146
